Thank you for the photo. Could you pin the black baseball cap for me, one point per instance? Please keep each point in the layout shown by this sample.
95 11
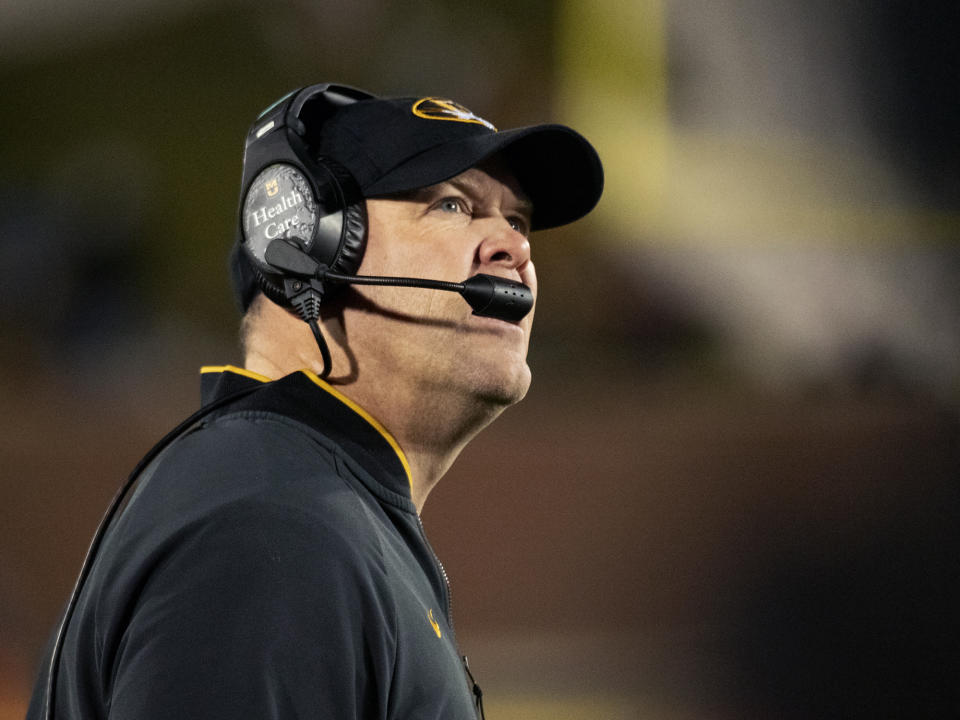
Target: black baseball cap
399 144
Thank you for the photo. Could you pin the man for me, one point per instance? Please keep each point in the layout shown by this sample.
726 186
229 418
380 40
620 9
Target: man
270 562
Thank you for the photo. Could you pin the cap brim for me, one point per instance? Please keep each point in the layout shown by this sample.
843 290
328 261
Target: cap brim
556 167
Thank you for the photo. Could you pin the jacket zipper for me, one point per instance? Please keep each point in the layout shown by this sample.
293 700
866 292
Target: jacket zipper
446 580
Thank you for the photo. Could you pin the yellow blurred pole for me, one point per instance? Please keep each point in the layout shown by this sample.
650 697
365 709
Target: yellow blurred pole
613 86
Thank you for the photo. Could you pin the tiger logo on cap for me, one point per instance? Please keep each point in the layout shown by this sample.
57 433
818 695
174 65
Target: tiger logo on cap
437 109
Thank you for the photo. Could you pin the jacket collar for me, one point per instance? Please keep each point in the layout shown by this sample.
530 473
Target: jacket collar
306 398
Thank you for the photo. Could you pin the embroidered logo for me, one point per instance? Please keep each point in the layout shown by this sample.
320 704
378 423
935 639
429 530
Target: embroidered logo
434 623
272 187
437 109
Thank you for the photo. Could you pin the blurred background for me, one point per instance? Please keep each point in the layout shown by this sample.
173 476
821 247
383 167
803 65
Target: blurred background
732 491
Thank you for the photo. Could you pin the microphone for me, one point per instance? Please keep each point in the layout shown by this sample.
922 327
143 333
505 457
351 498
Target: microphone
488 295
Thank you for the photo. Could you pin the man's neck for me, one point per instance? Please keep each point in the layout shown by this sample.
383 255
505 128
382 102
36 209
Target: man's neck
431 424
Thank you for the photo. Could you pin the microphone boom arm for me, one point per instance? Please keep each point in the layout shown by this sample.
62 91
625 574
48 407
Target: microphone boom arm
394 281
488 295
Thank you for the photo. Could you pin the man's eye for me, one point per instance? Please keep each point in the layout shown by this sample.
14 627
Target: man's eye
451 205
517 225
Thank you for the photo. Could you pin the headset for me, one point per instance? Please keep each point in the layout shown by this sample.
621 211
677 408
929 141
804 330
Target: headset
289 192
303 221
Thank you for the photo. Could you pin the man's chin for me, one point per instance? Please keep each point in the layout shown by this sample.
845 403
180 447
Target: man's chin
504 389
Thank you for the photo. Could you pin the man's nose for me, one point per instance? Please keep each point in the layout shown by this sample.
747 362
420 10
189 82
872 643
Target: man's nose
503 245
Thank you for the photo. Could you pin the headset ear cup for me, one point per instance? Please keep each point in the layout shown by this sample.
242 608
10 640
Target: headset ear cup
339 224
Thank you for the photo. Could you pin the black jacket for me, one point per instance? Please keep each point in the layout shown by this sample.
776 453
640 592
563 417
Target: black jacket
270 564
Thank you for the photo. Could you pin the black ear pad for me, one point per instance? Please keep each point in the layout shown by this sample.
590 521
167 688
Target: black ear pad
353 235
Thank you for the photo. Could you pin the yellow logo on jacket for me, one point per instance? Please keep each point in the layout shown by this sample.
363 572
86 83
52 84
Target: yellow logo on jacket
434 623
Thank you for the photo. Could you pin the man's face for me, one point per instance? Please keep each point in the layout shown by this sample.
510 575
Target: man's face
476 222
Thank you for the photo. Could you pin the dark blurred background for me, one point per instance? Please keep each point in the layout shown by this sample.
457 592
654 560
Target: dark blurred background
733 489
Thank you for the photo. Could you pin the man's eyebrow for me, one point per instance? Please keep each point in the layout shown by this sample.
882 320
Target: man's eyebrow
525 205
